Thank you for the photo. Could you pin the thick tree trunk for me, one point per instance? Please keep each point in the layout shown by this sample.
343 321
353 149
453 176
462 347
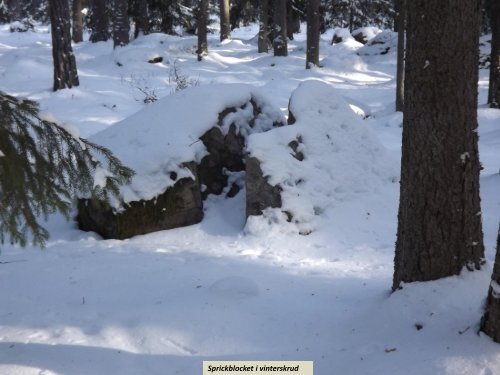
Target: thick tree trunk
202 14
439 221
77 34
121 26
400 21
140 17
490 323
225 25
98 21
263 43
279 35
65 73
312 54
494 88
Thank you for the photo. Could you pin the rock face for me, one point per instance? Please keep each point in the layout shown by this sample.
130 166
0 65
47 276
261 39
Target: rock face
178 206
260 194
217 151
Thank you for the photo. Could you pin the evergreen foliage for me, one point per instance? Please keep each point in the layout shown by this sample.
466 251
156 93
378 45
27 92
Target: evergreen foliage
353 14
43 166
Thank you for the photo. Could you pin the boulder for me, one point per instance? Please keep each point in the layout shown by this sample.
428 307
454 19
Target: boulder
365 34
181 155
340 35
177 206
326 156
259 193
382 44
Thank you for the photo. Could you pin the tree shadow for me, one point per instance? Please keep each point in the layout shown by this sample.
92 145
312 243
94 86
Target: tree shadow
85 360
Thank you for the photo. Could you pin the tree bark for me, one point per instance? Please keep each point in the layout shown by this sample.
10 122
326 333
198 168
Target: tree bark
312 54
98 21
490 323
494 87
279 35
225 25
263 43
121 26
293 20
439 220
140 17
400 21
202 15
65 73
77 34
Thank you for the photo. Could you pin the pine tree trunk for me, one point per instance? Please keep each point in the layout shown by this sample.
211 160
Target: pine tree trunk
490 323
279 35
263 43
77 21
202 14
121 26
494 88
312 54
225 25
140 17
292 20
439 220
65 73
98 21
400 21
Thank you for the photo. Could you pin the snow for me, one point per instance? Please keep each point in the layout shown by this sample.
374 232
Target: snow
342 156
219 290
160 138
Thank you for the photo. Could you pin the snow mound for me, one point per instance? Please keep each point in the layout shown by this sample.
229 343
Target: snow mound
158 139
381 44
326 157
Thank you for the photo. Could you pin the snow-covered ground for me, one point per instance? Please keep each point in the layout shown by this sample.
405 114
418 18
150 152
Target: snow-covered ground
164 302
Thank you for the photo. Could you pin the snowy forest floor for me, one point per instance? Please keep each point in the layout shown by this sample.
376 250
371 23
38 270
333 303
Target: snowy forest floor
164 302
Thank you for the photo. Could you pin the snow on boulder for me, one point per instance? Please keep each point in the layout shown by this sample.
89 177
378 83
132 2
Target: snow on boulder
182 148
365 34
328 155
383 43
341 35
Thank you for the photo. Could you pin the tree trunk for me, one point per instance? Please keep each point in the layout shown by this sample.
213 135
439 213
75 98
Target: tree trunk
490 323
202 15
312 55
77 21
121 26
225 25
439 220
292 20
494 88
280 37
263 44
65 73
400 21
140 17
98 21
